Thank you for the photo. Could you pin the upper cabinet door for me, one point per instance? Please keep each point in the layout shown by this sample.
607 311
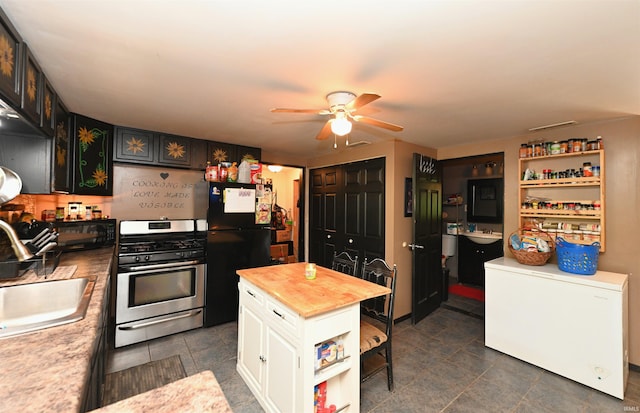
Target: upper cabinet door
48 115
135 146
31 87
62 150
92 163
248 152
174 150
10 61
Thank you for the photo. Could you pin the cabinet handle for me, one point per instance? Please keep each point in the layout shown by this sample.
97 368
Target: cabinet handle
328 236
251 293
278 314
263 359
350 241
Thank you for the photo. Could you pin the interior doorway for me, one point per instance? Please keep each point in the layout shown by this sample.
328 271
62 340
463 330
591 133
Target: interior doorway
288 187
457 250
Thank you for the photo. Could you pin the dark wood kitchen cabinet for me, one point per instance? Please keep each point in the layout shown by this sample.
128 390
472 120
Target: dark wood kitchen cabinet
472 257
225 152
31 104
92 167
29 156
135 146
11 54
174 150
98 368
247 152
48 111
62 151
221 152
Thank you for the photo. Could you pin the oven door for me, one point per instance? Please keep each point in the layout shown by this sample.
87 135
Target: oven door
143 294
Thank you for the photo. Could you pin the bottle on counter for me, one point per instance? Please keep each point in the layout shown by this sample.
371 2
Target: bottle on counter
244 172
223 171
232 173
211 173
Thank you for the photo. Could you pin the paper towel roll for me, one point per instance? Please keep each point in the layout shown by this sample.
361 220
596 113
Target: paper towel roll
449 245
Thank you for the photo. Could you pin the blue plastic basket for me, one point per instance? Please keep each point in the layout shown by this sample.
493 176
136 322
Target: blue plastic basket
577 258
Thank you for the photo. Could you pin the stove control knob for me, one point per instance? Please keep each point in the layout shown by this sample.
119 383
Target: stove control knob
137 259
147 258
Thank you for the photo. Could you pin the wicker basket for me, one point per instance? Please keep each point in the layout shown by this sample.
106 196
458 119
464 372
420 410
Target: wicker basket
532 257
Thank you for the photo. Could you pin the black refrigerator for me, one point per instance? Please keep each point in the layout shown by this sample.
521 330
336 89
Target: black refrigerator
239 237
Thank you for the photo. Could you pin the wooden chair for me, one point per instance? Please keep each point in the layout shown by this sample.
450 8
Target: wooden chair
345 264
375 341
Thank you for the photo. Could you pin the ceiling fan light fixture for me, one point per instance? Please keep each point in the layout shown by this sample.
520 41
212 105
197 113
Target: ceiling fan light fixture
341 126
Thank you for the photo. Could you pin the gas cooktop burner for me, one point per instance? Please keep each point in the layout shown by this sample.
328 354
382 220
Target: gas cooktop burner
158 246
147 242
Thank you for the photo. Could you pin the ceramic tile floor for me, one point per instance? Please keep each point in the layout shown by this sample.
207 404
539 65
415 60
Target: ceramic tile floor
440 365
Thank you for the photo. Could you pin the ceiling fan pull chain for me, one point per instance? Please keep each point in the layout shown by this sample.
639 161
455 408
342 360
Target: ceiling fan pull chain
335 141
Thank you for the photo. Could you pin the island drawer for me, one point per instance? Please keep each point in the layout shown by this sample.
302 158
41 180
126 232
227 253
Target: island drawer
283 316
251 294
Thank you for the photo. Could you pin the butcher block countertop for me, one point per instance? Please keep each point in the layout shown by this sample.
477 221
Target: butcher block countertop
329 291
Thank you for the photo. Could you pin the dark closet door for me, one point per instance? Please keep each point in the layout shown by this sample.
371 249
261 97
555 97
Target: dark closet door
364 209
347 211
323 214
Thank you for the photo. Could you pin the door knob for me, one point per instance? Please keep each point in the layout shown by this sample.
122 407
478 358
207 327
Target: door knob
413 247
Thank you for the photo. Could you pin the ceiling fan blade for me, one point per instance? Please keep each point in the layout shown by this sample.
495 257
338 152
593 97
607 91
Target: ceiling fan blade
361 100
325 132
286 110
378 123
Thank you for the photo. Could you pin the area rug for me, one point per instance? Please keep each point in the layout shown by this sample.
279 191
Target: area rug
469 292
123 384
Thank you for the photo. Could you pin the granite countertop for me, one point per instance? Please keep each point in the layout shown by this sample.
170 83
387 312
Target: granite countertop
199 393
329 291
48 369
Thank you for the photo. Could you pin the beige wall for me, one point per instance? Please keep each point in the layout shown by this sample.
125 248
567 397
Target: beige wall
622 144
622 157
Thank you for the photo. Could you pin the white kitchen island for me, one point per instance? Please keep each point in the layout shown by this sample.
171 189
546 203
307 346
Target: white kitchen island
572 325
283 318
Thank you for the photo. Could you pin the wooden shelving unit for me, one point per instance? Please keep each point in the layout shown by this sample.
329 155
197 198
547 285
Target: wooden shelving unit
580 190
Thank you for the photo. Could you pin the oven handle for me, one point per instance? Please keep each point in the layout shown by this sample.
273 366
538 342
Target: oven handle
165 265
164 320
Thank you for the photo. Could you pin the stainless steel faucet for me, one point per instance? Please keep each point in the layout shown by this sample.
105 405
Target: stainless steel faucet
21 251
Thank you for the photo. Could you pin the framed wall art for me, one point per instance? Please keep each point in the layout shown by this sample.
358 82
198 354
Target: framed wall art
408 197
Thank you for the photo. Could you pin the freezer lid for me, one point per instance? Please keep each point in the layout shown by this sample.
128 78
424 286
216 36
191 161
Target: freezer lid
601 279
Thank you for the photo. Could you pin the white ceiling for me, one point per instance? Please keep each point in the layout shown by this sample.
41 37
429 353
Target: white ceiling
451 72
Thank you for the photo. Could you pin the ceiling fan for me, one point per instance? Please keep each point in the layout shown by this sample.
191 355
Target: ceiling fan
342 107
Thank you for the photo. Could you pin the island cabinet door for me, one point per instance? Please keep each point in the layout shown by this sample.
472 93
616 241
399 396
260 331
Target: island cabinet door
280 381
251 361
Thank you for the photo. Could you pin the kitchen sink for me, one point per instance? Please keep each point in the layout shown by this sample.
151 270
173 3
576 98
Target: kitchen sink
31 307
483 238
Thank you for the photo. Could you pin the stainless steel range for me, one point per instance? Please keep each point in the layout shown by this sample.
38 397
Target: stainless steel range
160 284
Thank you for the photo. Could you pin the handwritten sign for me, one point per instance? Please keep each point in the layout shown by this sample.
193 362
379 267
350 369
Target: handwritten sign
238 200
152 193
